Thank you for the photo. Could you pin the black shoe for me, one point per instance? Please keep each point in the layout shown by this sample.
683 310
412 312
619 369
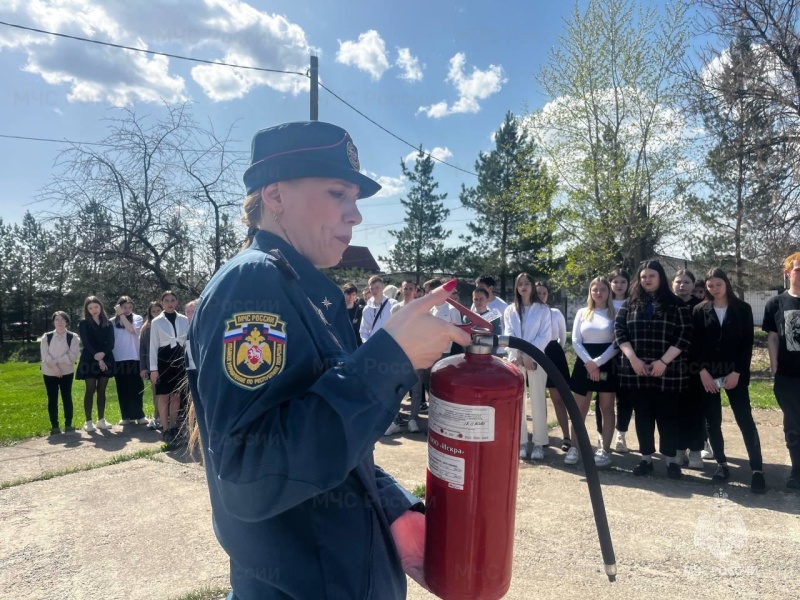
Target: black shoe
423 408
723 474
793 483
644 467
674 471
55 431
69 429
757 483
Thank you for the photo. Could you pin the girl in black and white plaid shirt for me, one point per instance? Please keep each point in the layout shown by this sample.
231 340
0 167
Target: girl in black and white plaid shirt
653 329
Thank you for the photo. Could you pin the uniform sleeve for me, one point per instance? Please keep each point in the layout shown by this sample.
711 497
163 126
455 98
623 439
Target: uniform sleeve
43 348
74 349
394 498
144 350
302 432
621 332
562 328
577 337
697 351
154 345
544 332
138 321
363 328
66 362
745 354
84 332
607 355
510 327
768 323
682 336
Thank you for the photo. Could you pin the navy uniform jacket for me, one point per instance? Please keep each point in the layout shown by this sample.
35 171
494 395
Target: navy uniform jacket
289 411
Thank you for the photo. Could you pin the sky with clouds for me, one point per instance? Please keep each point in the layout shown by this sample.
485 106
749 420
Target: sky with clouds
437 74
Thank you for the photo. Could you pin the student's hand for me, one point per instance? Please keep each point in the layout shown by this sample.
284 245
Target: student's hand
143 374
154 377
708 382
639 367
58 372
408 531
99 356
423 337
529 363
732 380
593 370
657 368
103 366
117 310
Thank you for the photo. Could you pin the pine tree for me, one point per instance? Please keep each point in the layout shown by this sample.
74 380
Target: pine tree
512 231
419 246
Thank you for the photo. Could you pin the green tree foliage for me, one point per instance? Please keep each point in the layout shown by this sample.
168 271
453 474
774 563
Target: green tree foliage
513 230
419 245
746 173
613 132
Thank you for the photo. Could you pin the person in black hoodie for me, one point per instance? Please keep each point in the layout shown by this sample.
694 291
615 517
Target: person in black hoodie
722 347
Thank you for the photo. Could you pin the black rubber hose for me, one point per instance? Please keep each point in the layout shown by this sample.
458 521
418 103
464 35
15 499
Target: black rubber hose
592 478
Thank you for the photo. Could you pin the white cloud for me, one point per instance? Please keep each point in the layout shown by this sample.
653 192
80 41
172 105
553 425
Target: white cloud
391 186
412 71
367 54
223 30
471 88
438 153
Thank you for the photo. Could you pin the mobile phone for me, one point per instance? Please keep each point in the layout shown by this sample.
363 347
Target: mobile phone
603 376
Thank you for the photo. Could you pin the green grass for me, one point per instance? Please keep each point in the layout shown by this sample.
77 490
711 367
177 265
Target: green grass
23 403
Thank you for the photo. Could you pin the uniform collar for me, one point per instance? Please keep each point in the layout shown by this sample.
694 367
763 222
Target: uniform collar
323 293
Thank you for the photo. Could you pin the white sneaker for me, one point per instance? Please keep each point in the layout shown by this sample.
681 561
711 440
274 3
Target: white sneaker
696 460
707 452
621 446
394 428
538 452
124 422
602 459
88 426
152 424
572 456
523 451
142 421
412 426
103 424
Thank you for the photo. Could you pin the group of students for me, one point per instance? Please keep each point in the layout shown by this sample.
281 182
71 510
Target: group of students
127 347
662 349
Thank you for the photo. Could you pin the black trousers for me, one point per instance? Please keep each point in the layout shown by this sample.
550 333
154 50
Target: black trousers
53 385
739 398
624 412
787 393
656 409
130 389
691 417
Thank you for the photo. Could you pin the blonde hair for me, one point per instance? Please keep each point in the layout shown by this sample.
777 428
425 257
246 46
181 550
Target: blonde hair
790 260
590 305
252 216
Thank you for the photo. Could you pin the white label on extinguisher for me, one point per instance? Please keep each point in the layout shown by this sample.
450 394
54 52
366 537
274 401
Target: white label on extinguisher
460 421
446 467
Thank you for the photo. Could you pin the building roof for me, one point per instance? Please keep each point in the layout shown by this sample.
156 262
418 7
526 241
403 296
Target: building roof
358 257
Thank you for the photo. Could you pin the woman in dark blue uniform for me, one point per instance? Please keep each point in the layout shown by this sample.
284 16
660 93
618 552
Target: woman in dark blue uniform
288 407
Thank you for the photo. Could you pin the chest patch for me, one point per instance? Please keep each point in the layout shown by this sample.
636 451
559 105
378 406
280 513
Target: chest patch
255 348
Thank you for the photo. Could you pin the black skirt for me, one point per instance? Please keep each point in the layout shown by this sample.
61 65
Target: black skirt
555 352
171 369
89 368
580 382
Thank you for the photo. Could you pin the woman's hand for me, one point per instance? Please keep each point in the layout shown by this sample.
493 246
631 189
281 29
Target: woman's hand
423 337
99 356
708 382
638 366
657 368
529 363
103 365
408 531
143 374
732 380
154 377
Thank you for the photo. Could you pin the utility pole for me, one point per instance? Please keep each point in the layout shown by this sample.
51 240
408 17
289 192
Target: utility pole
314 96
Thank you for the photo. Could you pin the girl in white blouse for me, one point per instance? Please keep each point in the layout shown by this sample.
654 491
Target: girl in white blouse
529 319
593 341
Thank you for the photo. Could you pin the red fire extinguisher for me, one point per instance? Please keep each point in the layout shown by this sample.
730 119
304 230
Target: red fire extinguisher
473 444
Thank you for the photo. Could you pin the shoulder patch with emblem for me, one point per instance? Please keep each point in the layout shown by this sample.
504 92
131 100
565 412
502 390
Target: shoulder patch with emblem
255 348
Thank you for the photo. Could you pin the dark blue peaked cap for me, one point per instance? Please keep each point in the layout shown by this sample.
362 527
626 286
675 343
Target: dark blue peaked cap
305 149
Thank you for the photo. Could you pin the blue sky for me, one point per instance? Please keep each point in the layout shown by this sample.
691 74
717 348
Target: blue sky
435 73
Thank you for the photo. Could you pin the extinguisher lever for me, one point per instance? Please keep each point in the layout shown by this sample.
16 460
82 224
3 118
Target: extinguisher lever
477 325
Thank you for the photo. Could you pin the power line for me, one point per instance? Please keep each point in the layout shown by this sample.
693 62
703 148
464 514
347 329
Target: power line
234 66
76 143
153 52
395 136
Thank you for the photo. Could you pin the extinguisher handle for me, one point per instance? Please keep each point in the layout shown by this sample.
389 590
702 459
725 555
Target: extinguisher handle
477 324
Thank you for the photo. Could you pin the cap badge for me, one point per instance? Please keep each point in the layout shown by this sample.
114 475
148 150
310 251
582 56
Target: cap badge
352 154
